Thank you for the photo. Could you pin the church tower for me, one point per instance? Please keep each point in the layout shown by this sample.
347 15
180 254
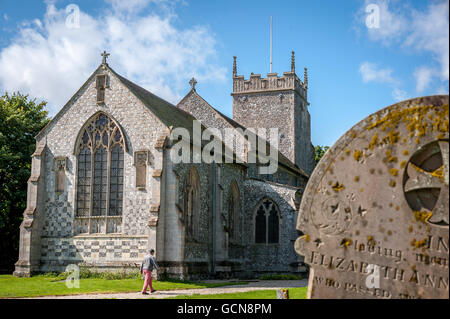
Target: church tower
277 102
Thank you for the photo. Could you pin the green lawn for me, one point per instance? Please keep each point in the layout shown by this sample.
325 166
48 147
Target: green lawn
294 293
11 286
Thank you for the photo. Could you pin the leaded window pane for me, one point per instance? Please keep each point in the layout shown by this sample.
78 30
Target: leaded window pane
113 225
85 138
84 182
117 136
267 223
97 138
105 139
100 182
231 217
116 183
95 197
273 226
101 122
260 226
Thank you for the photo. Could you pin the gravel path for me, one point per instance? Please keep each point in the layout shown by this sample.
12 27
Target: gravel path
251 286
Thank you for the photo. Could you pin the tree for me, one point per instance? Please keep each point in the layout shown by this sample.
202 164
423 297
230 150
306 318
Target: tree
21 119
319 151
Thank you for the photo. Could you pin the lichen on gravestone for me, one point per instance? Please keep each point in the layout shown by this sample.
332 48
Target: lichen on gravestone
375 224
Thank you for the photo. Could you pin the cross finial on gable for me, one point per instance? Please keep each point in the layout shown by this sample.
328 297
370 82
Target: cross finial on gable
193 82
105 56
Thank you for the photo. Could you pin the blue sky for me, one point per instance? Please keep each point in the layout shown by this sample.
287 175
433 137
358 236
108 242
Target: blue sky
160 44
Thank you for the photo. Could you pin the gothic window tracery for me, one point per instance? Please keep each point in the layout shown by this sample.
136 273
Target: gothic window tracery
267 222
100 177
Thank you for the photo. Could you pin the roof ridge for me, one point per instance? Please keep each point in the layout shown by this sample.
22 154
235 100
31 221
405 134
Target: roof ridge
134 86
66 105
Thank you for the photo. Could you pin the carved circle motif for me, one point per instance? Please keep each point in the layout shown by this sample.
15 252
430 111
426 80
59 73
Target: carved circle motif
334 218
425 181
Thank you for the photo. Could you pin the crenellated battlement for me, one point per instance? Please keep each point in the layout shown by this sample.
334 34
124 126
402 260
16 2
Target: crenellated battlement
273 82
277 101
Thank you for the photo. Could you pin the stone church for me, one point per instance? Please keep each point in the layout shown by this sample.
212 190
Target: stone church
104 187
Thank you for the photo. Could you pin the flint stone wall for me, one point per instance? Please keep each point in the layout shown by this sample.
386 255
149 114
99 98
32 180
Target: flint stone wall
141 130
271 258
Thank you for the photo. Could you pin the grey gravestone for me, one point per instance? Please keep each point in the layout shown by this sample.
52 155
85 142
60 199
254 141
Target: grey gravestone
375 211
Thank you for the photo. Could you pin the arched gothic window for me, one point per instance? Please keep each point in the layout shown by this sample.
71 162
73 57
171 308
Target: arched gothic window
267 222
191 204
234 214
100 177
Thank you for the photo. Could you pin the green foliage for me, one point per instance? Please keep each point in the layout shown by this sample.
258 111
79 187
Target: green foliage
281 277
109 275
92 273
21 120
319 152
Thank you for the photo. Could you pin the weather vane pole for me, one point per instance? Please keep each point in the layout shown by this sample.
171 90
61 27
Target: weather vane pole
270 44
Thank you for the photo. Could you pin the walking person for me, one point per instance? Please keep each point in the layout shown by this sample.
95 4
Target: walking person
147 266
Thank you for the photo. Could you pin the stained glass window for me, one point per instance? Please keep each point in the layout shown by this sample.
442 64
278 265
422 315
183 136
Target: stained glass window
100 177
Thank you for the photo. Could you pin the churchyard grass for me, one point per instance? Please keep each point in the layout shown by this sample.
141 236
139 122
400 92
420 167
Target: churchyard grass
50 285
294 293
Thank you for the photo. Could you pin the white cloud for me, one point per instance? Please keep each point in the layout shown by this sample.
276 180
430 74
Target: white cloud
399 95
371 73
423 76
38 23
423 32
50 61
129 5
392 25
430 33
